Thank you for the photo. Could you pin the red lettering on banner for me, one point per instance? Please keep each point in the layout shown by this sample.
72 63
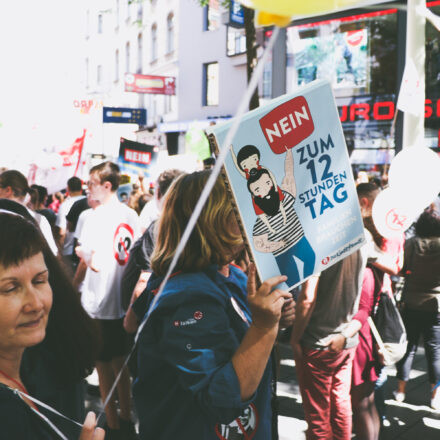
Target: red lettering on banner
361 109
287 125
137 156
389 105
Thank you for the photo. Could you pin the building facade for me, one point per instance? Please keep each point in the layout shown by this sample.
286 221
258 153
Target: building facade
176 38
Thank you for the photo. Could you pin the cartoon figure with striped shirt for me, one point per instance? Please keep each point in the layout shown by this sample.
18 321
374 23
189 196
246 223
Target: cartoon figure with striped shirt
248 163
284 237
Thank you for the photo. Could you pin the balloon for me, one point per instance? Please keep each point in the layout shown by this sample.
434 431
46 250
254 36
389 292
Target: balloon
266 19
393 212
415 172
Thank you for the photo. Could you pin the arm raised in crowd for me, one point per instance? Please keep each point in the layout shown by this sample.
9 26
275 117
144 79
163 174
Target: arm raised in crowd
251 357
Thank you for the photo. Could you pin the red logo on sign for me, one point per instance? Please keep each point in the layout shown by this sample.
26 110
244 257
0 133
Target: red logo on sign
287 125
355 37
325 260
395 221
122 241
198 315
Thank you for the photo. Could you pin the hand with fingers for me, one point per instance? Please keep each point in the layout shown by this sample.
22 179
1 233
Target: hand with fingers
89 430
287 313
336 343
267 301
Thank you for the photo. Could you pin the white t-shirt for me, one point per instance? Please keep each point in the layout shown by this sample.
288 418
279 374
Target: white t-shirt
80 223
61 222
149 213
46 230
107 235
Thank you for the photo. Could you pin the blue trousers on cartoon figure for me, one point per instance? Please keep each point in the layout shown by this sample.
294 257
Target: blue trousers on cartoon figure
287 264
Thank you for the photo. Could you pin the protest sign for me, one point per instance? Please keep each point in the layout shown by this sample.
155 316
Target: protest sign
135 158
289 172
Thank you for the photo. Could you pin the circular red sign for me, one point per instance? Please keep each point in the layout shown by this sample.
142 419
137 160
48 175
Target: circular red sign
122 241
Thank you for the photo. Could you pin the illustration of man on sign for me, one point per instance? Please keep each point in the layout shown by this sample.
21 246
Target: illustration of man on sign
247 162
288 240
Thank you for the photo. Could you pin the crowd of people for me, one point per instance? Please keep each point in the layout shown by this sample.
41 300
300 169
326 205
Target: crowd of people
80 271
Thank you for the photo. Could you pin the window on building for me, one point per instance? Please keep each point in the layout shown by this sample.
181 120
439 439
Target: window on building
99 23
117 65
99 75
154 109
127 57
117 9
170 33
86 66
139 54
154 42
236 41
266 92
168 103
357 54
211 16
140 12
210 84
87 24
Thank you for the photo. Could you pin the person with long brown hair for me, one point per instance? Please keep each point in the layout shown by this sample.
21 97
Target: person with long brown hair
47 342
204 354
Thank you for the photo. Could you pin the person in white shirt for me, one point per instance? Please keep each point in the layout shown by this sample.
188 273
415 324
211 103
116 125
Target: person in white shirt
74 186
14 186
106 238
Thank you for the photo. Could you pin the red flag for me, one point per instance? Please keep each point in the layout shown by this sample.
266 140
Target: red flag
74 152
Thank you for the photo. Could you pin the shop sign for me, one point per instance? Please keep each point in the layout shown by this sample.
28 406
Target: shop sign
122 115
236 14
381 110
150 84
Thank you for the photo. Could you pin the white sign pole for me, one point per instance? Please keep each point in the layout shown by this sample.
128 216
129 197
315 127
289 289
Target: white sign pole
413 124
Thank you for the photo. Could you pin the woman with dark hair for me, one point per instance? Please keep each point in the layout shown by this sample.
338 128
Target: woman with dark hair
204 354
47 341
14 186
421 298
39 205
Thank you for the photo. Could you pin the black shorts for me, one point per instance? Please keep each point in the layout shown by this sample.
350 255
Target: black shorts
114 340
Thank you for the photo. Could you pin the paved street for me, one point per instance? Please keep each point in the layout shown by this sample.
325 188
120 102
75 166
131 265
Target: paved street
412 419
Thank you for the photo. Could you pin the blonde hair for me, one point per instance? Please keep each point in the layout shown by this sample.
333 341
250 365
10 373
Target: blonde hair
212 240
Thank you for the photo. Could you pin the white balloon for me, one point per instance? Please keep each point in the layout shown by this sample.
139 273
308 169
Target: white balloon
415 172
393 212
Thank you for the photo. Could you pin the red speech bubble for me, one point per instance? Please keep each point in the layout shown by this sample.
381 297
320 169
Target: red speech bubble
287 125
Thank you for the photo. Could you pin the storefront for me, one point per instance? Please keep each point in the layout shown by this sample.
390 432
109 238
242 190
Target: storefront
362 54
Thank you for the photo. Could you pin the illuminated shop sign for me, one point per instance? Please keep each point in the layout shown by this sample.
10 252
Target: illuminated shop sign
381 110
